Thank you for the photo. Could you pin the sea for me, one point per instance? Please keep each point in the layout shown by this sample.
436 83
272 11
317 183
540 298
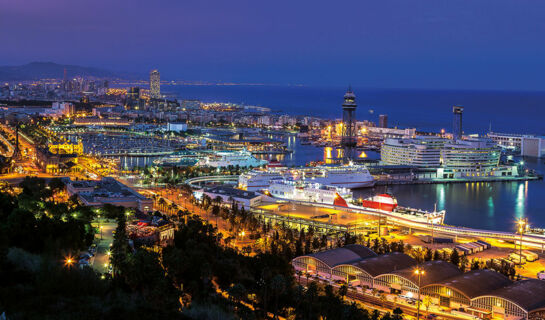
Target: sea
484 205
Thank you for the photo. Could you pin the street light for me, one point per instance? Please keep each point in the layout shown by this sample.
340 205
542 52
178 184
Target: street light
522 222
68 261
420 273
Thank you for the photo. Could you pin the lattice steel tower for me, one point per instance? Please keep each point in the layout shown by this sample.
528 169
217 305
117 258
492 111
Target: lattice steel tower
349 139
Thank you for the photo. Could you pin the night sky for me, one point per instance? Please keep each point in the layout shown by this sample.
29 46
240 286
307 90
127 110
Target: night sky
475 44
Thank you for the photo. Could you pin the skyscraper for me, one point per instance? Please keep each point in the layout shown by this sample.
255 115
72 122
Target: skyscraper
457 122
155 84
349 140
383 121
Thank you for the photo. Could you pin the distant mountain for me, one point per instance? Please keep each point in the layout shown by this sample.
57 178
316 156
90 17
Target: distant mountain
51 70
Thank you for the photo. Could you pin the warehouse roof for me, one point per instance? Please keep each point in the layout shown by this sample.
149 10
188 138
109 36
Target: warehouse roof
385 263
528 294
343 255
476 283
434 271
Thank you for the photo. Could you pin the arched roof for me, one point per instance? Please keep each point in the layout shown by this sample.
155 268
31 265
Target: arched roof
434 272
475 283
385 263
343 255
528 294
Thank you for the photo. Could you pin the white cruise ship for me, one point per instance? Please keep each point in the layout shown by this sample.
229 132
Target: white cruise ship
349 176
223 159
309 192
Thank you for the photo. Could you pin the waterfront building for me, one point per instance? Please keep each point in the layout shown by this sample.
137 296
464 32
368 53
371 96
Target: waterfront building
421 151
383 121
380 134
478 293
470 157
155 84
241 198
55 162
322 262
524 144
458 291
96 193
66 147
457 122
524 299
364 271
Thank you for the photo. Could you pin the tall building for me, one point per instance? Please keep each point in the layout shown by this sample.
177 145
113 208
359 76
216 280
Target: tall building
457 122
349 139
383 121
155 84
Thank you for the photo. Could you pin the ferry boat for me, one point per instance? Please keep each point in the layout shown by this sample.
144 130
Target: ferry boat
331 195
309 191
178 159
348 176
222 159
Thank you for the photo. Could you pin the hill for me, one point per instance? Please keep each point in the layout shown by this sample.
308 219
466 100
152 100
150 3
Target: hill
51 70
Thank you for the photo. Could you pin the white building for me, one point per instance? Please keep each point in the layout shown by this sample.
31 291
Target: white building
177 126
527 145
419 151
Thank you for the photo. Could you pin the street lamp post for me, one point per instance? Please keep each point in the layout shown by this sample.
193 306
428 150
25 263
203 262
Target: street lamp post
420 273
522 225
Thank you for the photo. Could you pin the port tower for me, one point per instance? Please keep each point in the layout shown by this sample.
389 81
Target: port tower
349 139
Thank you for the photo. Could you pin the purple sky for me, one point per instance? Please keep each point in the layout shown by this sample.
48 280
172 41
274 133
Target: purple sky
475 44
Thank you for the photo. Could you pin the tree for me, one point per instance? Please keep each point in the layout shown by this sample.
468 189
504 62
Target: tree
343 290
455 258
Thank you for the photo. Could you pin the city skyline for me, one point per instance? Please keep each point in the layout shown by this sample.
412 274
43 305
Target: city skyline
462 45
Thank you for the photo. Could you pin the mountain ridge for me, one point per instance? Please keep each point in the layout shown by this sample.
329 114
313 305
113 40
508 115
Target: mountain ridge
50 70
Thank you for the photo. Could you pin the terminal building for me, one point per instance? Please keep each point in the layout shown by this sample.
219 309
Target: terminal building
421 151
526 145
96 193
452 159
482 294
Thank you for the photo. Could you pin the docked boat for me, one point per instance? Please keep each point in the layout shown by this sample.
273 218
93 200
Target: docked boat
345 176
222 159
385 204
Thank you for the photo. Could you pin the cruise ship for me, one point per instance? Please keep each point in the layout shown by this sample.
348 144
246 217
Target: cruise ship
223 159
349 176
330 195
301 190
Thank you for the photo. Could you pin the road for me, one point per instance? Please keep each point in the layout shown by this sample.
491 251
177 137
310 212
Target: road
388 306
102 258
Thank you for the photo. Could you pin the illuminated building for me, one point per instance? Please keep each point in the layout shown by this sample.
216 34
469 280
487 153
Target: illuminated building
457 122
155 84
66 148
419 151
383 121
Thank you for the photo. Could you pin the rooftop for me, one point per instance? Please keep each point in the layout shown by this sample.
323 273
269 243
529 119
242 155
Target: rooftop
233 192
476 283
434 272
343 255
385 263
529 294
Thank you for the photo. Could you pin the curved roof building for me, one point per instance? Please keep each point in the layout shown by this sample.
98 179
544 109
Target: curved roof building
366 270
459 290
324 261
518 299
406 279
